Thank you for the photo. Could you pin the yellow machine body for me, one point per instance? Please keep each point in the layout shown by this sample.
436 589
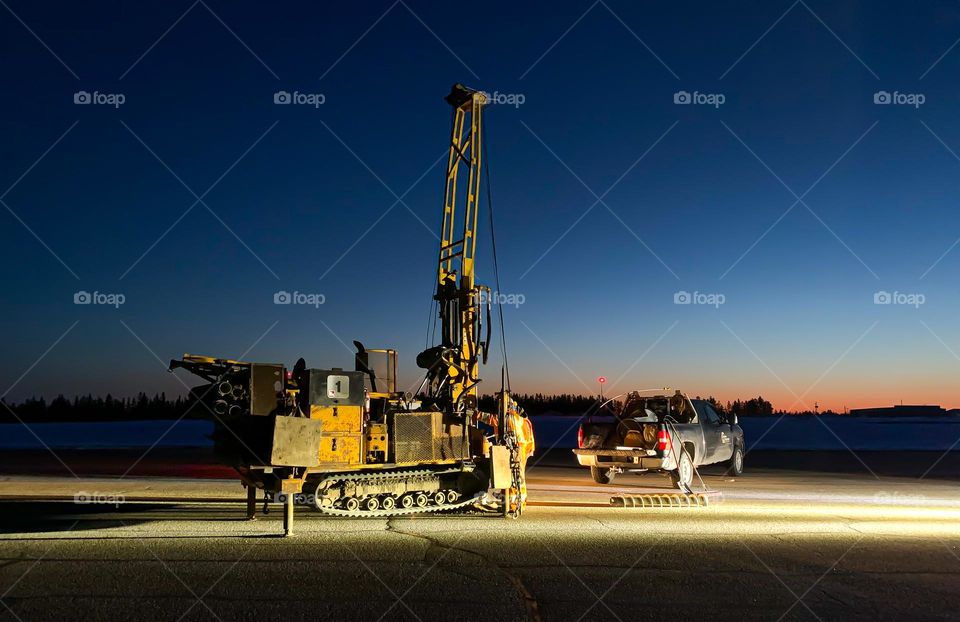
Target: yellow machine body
347 438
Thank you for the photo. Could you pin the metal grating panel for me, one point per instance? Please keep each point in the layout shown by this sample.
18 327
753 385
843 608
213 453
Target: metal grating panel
413 437
423 437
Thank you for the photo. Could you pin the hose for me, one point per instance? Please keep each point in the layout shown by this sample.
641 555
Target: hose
496 264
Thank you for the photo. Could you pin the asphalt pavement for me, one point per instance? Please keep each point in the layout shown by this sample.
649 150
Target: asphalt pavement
774 544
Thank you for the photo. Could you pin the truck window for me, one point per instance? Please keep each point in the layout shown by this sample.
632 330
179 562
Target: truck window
711 414
705 412
642 407
681 411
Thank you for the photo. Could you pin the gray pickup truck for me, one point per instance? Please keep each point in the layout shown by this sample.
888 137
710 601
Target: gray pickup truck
662 433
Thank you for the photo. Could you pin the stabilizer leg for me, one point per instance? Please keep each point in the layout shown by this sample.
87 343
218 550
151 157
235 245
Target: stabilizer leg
251 502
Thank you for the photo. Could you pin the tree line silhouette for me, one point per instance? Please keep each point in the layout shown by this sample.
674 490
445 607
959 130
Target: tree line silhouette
572 404
89 408
142 407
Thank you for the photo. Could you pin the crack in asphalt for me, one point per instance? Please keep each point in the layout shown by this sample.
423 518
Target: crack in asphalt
528 599
604 524
834 597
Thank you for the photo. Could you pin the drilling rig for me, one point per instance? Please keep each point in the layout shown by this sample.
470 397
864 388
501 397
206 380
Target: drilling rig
347 442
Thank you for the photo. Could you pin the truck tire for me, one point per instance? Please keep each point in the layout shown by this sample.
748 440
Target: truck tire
683 475
735 466
601 475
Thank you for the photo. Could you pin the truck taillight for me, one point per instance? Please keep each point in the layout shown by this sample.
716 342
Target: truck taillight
580 437
663 440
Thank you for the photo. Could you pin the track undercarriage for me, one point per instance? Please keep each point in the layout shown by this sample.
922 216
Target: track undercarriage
390 493
387 493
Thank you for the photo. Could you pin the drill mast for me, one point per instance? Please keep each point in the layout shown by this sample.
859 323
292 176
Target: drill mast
454 363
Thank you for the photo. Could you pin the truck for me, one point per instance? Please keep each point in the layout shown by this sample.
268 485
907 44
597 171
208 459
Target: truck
659 433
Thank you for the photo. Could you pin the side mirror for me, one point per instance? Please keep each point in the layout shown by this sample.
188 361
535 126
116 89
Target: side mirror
733 419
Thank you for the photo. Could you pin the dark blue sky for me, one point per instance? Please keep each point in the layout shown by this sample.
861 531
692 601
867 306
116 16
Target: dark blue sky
598 83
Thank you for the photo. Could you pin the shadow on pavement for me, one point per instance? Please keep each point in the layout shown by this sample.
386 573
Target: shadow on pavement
64 516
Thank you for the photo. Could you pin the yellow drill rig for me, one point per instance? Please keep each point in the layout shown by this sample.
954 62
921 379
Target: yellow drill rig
346 441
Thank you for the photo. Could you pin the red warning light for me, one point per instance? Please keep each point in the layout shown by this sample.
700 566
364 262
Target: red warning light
602 379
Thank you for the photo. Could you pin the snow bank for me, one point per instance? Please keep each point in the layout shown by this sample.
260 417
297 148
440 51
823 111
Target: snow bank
804 433
106 434
763 433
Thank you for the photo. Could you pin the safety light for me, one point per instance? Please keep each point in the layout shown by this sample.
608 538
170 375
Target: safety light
663 440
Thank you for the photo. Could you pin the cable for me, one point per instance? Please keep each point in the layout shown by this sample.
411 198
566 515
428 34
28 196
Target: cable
496 265
431 318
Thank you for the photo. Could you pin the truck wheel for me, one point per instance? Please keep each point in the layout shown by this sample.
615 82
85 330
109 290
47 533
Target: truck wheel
735 466
601 475
683 476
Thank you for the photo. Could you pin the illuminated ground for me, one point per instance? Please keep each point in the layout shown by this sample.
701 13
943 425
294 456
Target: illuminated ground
848 547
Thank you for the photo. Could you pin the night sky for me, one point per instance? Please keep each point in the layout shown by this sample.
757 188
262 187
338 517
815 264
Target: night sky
796 202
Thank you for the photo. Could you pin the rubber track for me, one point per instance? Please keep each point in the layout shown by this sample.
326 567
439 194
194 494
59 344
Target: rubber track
398 511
